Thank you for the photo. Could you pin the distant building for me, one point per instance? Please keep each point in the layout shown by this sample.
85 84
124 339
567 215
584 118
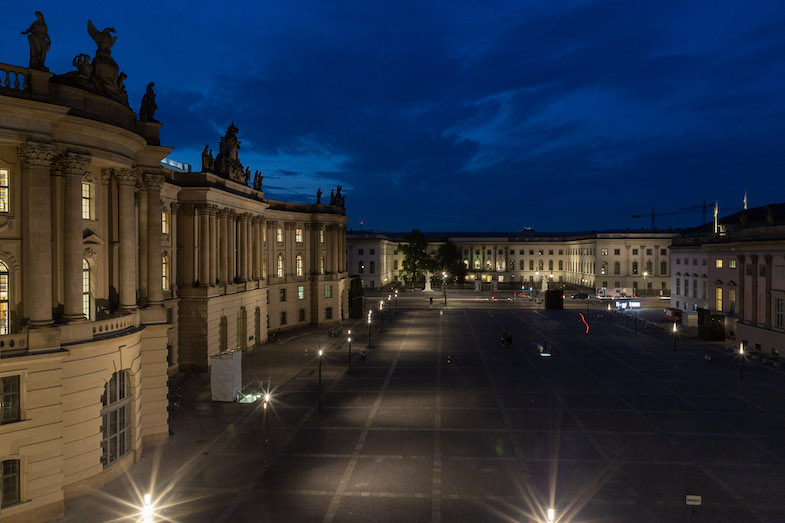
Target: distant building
612 263
739 270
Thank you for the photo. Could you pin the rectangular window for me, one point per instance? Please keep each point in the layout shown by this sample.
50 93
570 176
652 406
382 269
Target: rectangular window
321 235
301 292
328 313
360 252
649 252
732 264
604 252
298 235
663 252
328 291
283 294
616 252
164 222
279 235
4 190
87 201
779 313
718 299
373 251
718 263
635 252
678 286
302 314
10 400
10 481
694 288
531 252
283 317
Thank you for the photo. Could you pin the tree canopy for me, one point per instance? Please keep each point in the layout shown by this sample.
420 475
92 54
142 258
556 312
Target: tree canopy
448 259
416 261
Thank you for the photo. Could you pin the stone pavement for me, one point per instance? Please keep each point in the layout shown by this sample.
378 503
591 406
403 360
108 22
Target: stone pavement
441 423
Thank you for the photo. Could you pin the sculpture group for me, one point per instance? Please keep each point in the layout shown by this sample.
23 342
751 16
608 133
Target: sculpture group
227 164
102 75
336 198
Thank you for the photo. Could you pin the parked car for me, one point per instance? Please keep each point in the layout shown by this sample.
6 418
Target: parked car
673 314
580 296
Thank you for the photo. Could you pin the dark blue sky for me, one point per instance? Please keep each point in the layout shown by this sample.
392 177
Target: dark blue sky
461 115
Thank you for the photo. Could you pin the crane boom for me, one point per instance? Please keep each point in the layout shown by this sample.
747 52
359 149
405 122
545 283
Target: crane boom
683 210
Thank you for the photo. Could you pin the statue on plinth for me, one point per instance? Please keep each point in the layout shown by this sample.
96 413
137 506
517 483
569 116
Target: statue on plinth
207 160
38 38
227 163
332 197
319 196
257 180
148 108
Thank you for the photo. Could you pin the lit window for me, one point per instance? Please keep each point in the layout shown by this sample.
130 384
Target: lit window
4 190
321 235
5 317
635 267
301 292
87 201
10 482
328 291
718 263
86 294
165 272
321 265
10 400
116 419
279 235
477 264
299 265
604 252
164 222
280 265
718 296
298 235
732 264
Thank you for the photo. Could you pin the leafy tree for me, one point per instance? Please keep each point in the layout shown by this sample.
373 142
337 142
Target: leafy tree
448 259
355 287
416 261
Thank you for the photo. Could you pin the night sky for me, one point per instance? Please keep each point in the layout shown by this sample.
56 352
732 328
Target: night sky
461 116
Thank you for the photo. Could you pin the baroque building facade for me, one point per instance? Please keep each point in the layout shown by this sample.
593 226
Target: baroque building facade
612 263
116 272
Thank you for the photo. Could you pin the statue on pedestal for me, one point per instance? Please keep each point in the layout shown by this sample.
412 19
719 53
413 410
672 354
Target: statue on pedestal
38 38
227 163
148 108
257 180
319 196
207 160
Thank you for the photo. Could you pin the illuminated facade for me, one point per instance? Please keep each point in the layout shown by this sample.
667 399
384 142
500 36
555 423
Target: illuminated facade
610 262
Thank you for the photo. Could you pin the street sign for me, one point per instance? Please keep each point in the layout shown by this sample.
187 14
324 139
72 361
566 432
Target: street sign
694 500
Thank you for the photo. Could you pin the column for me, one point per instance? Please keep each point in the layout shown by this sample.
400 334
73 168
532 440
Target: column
173 232
186 255
204 245
248 258
254 248
153 183
242 250
767 258
126 181
74 166
754 290
223 246
212 214
232 243
740 298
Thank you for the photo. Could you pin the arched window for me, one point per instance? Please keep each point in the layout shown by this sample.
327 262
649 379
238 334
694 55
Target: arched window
279 234
635 267
373 267
116 418
299 262
280 265
466 262
604 268
360 267
87 308
165 272
5 200
561 265
541 265
616 268
663 268
395 264
550 265
649 268
512 265
488 264
477 264
5 314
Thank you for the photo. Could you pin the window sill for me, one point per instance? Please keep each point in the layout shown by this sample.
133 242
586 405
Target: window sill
17 425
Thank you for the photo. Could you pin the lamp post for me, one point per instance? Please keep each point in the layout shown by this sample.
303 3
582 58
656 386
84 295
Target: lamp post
444 286
551 515
370 314
674 336
396 302
741 361
389 304
264 428
381 315
645 274
320 379
350 350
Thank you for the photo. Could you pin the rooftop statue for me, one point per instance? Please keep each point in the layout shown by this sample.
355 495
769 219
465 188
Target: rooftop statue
147 111
227 163
38 38
319 196
257 180
208 162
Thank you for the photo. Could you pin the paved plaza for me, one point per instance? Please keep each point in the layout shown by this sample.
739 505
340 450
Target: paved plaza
442 423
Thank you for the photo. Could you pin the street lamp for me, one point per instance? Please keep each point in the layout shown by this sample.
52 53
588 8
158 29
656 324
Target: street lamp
148 509
381 315
674 336
551 515
264 427
320 379
444 286
370 314
396 301
645 274
350 350
741 360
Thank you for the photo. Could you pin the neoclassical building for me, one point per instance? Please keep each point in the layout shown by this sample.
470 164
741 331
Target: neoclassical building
115 272
613 263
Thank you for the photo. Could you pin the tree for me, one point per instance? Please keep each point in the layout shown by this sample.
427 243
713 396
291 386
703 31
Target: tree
416 261
448 259
355 287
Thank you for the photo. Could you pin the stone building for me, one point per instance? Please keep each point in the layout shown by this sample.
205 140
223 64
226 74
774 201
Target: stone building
737 267
116 271
612 263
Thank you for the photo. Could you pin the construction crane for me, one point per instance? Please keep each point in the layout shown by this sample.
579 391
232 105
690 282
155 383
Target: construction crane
683 210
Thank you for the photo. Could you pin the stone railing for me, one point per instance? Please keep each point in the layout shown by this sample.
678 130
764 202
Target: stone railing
13 342
14 81
102 327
